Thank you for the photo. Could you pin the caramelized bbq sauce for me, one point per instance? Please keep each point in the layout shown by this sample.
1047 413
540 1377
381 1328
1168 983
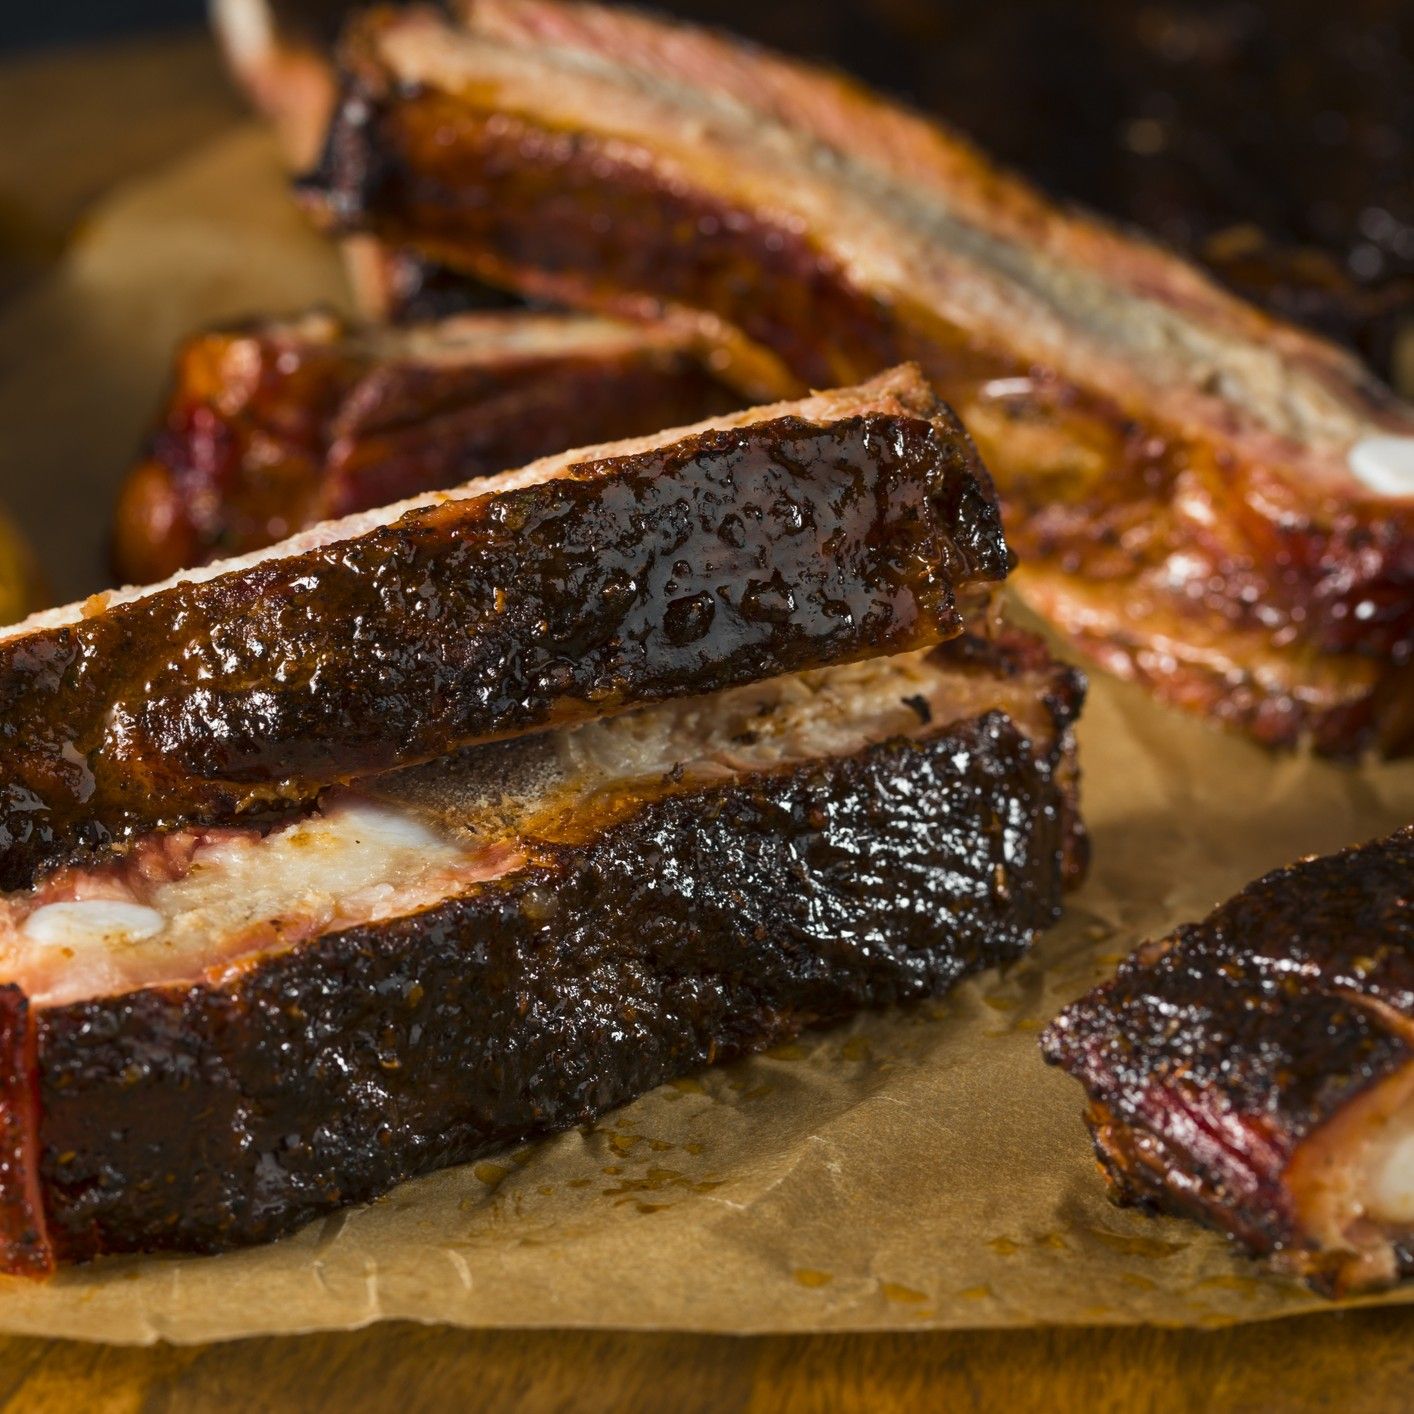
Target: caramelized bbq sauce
193 496
1089 489
266 434
700 927
731 556
1332 929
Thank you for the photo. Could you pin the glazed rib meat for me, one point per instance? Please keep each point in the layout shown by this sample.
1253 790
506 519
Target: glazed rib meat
226 1032
1256 1071
1287 181
1202 498
851 524
271 428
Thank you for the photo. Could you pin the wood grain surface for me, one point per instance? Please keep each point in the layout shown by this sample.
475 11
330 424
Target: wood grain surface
92 119
1352 1363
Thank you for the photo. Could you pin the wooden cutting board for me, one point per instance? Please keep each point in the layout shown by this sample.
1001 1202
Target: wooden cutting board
94 118
1350 1363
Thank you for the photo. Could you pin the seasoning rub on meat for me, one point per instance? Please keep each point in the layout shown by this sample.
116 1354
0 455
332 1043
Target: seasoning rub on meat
226 1032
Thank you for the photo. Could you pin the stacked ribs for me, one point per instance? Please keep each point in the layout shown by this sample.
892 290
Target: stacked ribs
414 806
460 821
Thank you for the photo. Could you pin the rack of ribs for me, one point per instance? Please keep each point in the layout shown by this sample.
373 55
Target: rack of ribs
1256 1070
1286 181
225 1032
848 525
1202 498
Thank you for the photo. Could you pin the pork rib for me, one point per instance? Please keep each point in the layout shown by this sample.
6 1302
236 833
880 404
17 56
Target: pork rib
1204 498
250 1029
843 526
273 427
1256 1071
1245 174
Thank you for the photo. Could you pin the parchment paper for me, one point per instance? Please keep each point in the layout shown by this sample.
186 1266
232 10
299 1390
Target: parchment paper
915 1169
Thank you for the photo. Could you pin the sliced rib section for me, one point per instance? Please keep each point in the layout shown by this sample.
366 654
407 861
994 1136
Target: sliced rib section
272 427
547 928
1187 481
850 524
1256 1071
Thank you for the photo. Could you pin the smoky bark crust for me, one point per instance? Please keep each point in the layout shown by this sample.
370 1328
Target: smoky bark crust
1213 1055
734 555
707 925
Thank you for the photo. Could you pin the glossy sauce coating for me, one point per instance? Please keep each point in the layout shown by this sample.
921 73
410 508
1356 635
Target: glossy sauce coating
733 555
270 429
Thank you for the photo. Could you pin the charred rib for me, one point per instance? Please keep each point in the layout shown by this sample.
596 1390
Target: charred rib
1256 1071
545 928
837 528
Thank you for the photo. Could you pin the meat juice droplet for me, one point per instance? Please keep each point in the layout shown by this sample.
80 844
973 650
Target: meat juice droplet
689 618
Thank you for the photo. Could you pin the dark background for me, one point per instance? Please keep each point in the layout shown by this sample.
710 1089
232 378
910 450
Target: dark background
31 24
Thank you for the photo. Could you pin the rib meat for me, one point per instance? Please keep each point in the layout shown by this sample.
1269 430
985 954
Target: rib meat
273 427
1201 497
1256 1071
851 524
1288 181
224 1033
